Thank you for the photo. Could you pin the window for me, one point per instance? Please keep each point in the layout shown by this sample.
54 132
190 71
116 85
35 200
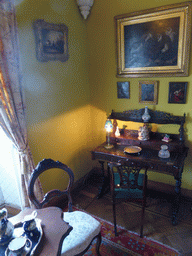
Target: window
9 178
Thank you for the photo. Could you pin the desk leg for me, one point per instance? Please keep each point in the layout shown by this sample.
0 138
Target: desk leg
105 181
176 201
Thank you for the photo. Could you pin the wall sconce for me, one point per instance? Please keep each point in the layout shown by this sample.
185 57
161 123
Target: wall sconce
108 128
85 7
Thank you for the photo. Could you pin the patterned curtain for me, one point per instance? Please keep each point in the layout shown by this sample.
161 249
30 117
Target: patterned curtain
12 108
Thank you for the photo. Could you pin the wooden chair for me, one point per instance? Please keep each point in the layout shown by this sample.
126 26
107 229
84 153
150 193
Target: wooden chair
85 227
127 183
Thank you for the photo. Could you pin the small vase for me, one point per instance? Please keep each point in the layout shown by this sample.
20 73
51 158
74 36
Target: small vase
146 115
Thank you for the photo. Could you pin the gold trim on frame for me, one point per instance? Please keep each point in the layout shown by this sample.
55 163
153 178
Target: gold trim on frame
181 11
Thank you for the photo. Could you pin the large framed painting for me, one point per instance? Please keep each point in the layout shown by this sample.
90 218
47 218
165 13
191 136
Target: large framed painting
154 42
51 41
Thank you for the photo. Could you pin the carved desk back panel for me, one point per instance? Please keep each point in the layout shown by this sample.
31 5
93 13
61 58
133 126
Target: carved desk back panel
130 137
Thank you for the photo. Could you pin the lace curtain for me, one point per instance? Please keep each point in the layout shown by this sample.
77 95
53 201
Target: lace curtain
12 108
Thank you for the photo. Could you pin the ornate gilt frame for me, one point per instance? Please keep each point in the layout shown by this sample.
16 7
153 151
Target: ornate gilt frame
51 41
144 21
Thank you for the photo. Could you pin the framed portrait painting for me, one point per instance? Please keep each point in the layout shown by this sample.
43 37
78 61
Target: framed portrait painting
148 92
177 92
154 42
51 41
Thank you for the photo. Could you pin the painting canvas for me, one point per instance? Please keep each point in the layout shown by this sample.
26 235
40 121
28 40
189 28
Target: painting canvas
53 41
123 90
154 42
148 92
177 92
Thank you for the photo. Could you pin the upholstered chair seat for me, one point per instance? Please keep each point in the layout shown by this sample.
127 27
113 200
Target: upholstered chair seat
85 229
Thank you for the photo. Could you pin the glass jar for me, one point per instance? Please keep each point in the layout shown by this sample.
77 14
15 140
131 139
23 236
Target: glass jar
164 152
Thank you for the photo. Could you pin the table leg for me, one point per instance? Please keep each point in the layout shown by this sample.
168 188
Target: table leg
176 203
105 186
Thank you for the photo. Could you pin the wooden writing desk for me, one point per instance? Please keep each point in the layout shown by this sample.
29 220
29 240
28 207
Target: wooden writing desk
54 229
149 155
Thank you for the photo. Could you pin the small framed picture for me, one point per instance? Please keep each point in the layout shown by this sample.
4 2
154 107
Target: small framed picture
51 41
123 90
148 92
177 92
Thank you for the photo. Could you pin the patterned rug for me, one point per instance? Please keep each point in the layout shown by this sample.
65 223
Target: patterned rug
127 243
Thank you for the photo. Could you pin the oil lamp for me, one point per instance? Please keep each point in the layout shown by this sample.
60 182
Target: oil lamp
108 128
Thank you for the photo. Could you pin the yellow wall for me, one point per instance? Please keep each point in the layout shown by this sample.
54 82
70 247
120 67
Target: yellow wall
57 93
103 80
67 103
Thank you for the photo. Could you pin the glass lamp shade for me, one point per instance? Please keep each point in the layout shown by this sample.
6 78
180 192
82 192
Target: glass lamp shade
108 125
85 7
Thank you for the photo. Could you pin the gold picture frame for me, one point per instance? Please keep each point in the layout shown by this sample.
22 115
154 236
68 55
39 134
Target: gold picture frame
154 42
51 41
148 92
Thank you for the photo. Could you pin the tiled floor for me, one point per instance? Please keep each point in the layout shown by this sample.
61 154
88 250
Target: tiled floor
157 225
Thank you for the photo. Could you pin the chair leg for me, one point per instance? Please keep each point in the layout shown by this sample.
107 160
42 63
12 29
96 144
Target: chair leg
144 204
114 218
98 244
142 220
142 217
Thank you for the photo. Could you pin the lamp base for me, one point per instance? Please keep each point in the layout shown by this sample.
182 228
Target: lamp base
108 146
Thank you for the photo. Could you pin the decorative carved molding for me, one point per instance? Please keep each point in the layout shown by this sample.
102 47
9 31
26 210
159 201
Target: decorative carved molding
158 117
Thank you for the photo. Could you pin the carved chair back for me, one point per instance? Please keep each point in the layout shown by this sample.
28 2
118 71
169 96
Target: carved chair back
53 197
128 183
127 180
